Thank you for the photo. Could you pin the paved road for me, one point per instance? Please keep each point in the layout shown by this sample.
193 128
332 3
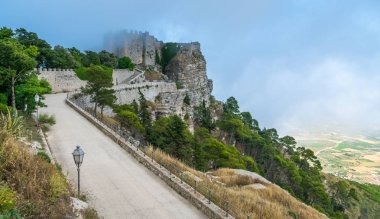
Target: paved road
118 185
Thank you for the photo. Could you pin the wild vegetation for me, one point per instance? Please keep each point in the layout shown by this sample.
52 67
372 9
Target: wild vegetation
225 185
169 50
18 82
99 87
29 185
235 140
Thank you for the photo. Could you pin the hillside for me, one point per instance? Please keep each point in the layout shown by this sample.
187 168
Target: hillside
249 195
175 112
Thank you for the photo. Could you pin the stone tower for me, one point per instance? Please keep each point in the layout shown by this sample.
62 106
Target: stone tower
141 47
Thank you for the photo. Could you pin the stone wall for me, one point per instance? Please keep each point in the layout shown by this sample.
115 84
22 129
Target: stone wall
119 76
61 80
126 93
139 46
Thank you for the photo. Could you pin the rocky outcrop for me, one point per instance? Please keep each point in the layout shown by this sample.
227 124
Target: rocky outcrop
188 69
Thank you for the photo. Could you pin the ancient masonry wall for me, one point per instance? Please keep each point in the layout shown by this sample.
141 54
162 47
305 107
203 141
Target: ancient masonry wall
126 93
65 80
61 80
119 76
139 46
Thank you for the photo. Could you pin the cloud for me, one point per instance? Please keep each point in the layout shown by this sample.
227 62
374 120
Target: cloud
331 95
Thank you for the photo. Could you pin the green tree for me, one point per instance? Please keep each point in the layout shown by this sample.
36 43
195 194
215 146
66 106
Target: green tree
246 117
144 114
15 63
289 144
108 59
77 56
106 98
199 155
135 106
91 58
203 118
172 136
213 154
26 91
98 82
6 33
231 106
130 121
125 63
62 58
27 39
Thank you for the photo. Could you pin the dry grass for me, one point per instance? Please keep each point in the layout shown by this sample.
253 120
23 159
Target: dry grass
42 191
272 202
231 178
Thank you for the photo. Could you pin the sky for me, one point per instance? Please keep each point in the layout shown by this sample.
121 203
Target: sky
296 65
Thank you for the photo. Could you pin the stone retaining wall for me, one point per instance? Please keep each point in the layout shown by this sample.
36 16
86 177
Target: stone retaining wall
61 80
126 93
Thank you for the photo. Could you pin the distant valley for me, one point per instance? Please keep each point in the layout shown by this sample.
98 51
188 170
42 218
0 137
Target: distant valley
355 158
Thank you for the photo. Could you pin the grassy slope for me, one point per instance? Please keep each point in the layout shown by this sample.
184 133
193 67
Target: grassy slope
272 202
40 189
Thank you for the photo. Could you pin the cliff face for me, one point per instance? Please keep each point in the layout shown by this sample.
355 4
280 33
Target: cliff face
188 69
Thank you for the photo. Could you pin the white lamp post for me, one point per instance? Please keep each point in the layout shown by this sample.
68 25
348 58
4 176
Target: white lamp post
78 155
37 100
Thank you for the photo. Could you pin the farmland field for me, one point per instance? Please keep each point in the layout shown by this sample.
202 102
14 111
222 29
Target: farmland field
354 158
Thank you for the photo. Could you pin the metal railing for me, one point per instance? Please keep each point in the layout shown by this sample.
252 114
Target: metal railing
205 186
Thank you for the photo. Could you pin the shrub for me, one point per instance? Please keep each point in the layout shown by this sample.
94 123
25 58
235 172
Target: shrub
125 63
293 214
58 186
186 117
11 123
169 50
46 119
178 85
89 213
41 187
83 73
186 100
7 200
44 156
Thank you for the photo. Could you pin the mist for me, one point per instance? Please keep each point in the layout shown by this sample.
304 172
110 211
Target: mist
297 66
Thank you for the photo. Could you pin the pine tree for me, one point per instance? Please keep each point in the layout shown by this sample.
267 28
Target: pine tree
203 118
144 114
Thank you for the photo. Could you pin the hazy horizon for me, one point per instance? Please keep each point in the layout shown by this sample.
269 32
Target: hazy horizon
295 65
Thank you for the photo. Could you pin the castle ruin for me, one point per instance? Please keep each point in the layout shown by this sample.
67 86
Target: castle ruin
184 75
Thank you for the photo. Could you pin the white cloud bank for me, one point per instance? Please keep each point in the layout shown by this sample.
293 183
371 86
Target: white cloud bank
329 95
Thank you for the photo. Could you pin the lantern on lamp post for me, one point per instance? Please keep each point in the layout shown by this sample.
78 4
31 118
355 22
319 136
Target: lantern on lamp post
78 155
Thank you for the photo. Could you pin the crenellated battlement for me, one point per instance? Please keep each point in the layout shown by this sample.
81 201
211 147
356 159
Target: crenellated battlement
52 69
